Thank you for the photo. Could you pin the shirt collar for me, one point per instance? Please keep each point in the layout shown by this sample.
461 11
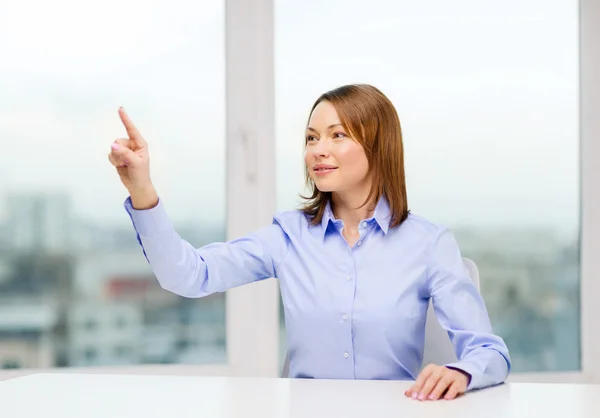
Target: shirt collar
381 215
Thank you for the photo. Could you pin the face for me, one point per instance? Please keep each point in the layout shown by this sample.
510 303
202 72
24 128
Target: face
335 161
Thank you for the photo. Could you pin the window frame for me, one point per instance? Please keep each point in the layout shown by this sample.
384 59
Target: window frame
252 310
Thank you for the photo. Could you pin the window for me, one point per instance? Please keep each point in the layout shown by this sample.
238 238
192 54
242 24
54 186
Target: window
66 238
470 81
488 100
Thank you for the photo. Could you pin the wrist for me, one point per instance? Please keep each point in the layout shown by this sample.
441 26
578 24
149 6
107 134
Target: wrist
466 374
144 197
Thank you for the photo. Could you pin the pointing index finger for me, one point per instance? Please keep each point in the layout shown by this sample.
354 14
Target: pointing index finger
132 131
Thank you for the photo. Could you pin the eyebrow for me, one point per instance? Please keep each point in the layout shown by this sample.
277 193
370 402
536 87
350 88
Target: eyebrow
329 127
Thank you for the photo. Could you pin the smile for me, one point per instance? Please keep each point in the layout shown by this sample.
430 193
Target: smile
321 171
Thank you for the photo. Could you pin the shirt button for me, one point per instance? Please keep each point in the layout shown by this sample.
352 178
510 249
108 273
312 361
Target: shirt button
348 278
358 243
346 355
344 317
364 224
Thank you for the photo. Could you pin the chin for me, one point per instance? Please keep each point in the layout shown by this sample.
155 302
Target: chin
325 186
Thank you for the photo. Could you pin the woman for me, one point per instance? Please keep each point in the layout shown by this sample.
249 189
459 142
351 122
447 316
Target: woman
356 269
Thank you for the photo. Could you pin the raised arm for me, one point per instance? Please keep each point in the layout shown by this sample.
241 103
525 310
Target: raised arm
190 272
179 267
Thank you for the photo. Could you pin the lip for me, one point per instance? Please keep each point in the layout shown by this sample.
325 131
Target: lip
322 169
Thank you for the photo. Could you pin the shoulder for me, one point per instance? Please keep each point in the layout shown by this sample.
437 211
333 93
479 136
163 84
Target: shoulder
438 241
292 220
279 236
420 226
291 216
425 234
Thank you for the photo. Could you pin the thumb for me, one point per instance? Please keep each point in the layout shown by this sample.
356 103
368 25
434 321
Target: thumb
123 155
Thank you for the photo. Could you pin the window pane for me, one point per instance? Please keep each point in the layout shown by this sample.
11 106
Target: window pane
75 288
487 94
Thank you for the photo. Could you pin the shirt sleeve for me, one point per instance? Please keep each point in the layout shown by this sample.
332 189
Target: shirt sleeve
461 311
217 267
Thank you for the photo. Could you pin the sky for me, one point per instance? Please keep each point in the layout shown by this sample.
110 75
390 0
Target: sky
486 92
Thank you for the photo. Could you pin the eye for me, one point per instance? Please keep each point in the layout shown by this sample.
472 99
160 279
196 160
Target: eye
340 135
310 138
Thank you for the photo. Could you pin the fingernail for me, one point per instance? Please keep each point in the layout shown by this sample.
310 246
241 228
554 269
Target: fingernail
431 397
447 397
414 395
421 397
114 145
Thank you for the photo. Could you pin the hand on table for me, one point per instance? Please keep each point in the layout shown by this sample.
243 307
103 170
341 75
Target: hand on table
435 382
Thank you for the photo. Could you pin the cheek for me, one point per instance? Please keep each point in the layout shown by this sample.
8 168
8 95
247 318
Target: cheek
307 157
309 162
354 158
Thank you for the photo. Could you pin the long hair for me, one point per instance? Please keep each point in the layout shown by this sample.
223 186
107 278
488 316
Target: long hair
371 119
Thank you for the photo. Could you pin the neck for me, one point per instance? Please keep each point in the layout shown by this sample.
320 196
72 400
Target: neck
350 209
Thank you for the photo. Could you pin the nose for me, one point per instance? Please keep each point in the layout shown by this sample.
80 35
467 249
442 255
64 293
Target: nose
321 149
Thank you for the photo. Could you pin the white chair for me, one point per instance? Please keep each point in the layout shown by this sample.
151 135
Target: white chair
438 347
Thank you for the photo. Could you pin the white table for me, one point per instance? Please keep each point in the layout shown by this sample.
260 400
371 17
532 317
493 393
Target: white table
85 395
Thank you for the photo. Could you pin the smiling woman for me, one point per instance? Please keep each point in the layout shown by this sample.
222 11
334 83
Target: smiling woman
345 291
475 85
354 142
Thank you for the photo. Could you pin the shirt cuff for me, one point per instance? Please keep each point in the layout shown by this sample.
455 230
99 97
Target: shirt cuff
467 368
149 222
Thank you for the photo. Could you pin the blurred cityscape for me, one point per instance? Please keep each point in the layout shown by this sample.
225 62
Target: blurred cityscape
530 284
74 293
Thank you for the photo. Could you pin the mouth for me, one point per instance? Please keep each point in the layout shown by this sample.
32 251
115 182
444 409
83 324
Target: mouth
322 169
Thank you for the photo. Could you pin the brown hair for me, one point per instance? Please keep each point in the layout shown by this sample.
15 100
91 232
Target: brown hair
371 119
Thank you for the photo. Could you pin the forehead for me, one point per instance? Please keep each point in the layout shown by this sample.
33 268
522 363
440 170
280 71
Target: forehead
324 114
